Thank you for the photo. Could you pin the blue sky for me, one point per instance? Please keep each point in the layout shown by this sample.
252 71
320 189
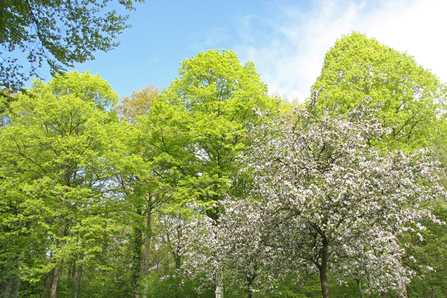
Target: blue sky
286 40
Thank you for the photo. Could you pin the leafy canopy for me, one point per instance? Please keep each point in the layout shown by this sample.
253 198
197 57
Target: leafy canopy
137 104
58 32
412 97
198 124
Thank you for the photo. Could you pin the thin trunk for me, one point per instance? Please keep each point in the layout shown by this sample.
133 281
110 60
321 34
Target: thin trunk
383 294
249 291
55 284
359 285
136 258
323 269
219 284
8 285
401 288
78 281
18 288
177 260
57 271
147 243
48 282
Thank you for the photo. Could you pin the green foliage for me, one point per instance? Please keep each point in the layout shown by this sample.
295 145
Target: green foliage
427 255
83 86
55 169
57 32
198 125
412 98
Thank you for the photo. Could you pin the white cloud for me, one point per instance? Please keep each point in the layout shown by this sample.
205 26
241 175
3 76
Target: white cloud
292 58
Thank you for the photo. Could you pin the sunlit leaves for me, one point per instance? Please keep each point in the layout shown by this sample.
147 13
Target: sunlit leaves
412 97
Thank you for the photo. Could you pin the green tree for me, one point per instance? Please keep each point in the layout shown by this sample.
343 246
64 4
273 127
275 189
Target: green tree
197 127
143 191
412 98
57 32
201 121
57 157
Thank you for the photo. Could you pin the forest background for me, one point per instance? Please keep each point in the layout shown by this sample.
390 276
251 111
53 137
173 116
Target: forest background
136 196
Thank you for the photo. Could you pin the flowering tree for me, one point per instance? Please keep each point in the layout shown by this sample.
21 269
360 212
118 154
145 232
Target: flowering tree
324 200
335 202
232 249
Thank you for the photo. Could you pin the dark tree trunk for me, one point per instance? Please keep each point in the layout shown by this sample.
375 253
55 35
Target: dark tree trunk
359 286
148 235
136 257
78 281
323 269
19 281
57 272
8 285
249 291
48 282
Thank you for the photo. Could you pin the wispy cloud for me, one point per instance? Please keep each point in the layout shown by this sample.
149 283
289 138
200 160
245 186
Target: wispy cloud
290 57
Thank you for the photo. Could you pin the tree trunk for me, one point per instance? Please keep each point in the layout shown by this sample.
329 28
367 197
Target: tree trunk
48 282
55 283
136 256
383 294
78 281
8 285
401 289
359 285
147 243
18 288
219 284
249 291
323 269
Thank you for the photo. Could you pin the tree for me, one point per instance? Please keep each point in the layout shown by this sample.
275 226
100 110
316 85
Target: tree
197 127
204 115
333 203
143 191
58 32
57 162
235 246
137 104
412 97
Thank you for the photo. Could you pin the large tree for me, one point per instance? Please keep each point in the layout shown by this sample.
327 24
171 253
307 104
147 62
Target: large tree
412 101
58 156
412 97
325 199
57 32
196 128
